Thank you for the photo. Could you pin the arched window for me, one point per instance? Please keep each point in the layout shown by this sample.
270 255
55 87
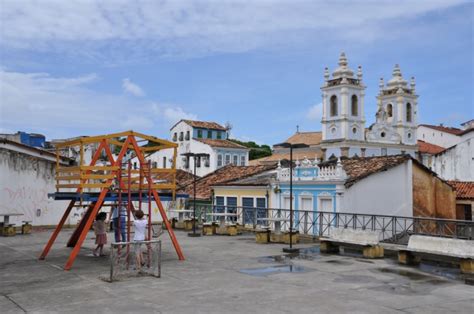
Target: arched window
409 112
354 106
333 103
389 110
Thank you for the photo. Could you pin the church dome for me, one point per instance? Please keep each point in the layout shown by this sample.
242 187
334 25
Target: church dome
343 70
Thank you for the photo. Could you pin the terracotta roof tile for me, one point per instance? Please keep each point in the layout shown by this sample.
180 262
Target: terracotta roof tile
464 189
428 148
183 178
360 168
220 143
205 125
220 176
454 131
308 138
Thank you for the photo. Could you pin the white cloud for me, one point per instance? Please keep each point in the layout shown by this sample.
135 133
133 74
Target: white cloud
188 28
132 88
174 114
315 112
63 107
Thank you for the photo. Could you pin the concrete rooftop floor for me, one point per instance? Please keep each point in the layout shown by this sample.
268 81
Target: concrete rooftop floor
211 281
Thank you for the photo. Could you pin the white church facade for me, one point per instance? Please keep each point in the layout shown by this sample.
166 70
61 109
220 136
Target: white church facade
344 131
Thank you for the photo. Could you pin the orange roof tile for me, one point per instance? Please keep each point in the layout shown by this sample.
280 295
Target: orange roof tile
220 143
308 138
450 130
428 148
220 176
464 189
205 125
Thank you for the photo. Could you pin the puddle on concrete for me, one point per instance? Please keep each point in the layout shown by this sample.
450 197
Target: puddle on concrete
338 262
405 273
355 279
304 254
266 271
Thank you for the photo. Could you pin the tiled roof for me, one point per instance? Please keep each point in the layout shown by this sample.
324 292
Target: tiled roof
220 143
308 138
464 189
183 178
220 176
450 130
360 168
428 148
274 158
205 125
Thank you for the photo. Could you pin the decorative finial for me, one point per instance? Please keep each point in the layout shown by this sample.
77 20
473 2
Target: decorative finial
381 83
412 83
359 72
297 129
396 71
326 74
342 60
279 164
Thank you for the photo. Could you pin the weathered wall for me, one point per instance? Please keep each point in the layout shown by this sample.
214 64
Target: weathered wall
384 193
456 163
25 182
431 196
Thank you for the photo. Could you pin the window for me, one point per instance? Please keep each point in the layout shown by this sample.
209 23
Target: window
382 134
219 160
199 133
175 137
209 134
187 136
181 136
206 162
409 115
242 160
186 162
333 103
409 135
389 110
384 151
219 135
154 164
354 130
164 162
227 159
354 106
235 160
220 204
198 162
261 204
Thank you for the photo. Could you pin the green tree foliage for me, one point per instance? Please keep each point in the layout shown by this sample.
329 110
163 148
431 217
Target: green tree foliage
256 151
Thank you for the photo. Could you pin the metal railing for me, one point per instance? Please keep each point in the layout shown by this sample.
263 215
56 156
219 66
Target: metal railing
393 229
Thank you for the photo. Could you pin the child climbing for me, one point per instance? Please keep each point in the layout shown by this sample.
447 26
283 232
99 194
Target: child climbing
100 233
140 228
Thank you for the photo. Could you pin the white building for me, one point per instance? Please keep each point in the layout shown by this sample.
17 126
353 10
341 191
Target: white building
343 120
439 135
27 175
202 137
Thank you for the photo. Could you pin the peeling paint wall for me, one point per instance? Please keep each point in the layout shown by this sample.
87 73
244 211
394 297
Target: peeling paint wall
25 182
431 196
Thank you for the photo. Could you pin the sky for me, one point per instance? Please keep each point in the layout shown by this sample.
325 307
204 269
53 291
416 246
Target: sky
70 68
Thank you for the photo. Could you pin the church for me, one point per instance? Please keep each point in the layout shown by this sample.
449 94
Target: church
344 132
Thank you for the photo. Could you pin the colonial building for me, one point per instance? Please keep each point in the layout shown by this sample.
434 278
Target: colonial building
202 137
343 121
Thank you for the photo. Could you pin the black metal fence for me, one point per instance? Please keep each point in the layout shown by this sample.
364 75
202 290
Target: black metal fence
392 229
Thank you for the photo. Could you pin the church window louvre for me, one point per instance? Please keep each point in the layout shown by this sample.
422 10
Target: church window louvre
333 104
389 110
409 114
354 106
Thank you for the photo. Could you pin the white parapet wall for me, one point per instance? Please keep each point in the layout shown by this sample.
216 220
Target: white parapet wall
442 246
354 236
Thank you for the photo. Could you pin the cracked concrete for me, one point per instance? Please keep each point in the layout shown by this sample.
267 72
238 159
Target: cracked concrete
211 281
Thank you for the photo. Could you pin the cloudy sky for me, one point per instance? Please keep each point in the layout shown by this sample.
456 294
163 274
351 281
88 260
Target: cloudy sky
86 67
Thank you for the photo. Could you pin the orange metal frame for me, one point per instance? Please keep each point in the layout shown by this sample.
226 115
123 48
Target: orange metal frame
84 226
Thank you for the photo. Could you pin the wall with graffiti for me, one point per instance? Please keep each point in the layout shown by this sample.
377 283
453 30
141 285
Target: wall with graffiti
25 182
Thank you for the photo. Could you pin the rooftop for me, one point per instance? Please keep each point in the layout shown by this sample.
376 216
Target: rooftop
220 143
308 138
442 128
428 148
221 176
202 124
274 158
224 275
464 189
